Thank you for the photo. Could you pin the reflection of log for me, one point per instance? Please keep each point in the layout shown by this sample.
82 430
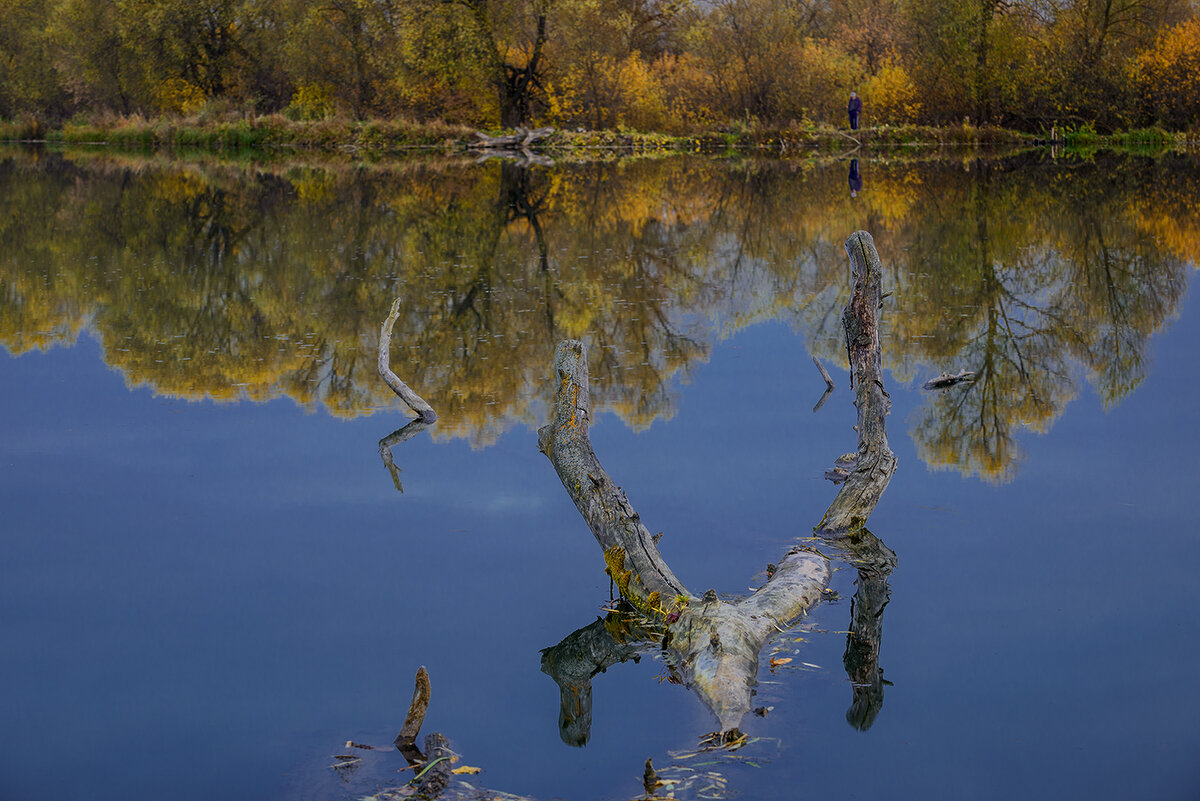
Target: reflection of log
948 379
522 158
414 401
874 562
579 657
713 646
402 434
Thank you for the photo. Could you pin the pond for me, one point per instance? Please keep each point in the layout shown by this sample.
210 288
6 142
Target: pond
212 581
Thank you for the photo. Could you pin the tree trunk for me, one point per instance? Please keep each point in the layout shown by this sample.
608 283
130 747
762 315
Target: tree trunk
713 646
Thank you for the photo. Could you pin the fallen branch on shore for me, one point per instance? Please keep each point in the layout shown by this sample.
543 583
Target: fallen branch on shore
520 139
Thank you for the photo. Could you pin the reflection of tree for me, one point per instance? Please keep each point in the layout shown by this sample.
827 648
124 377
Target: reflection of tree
224 282
1020 300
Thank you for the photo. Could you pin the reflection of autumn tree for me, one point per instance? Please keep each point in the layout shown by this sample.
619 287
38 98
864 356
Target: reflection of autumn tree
226 282
1028 283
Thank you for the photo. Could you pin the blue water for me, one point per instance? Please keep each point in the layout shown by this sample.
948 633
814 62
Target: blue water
205 600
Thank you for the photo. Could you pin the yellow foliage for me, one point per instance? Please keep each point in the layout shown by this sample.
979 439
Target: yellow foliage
1168 75
891 96
641 99
606 91
311 101
177 96
687 90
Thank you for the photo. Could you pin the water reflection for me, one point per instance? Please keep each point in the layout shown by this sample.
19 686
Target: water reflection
874 562
402 434
856 183
582 655
218 281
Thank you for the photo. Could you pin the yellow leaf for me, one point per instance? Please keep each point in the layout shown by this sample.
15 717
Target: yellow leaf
466 769
777 662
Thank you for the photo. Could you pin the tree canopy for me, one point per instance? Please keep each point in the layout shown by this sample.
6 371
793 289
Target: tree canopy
672 65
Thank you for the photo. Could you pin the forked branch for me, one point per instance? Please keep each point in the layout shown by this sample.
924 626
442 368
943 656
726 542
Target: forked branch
713 646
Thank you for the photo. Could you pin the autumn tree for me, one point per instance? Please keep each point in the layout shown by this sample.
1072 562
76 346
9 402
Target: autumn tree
968 57
1168 77
28 82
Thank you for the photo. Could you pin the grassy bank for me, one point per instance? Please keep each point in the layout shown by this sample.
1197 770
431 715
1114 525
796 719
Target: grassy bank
383 136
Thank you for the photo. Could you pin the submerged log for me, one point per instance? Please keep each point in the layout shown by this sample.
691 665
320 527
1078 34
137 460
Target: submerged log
713 646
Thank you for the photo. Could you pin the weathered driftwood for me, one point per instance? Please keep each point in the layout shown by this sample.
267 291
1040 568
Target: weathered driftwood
713 646
876 463
520 139
434 771
416 709
949 379
424 410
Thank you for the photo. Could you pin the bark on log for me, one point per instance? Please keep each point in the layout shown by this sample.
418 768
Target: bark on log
630 553
713 646
424 411
876 463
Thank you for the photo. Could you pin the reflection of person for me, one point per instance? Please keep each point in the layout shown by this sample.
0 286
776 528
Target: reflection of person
855 178
854 108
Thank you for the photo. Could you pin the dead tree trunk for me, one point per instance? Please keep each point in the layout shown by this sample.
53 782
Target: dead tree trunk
414 401
713 646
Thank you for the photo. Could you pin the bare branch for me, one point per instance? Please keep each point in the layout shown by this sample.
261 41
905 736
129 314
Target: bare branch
414 401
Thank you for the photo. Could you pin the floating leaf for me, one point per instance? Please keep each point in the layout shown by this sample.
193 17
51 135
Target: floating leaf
466 769
780 661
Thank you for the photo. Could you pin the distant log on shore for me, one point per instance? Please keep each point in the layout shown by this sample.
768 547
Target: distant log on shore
521 139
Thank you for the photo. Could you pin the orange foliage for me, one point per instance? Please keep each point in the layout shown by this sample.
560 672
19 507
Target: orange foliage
1168 76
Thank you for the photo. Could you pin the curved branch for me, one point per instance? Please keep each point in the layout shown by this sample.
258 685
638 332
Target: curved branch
630 553
414 401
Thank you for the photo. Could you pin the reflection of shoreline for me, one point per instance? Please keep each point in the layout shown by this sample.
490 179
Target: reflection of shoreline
232 284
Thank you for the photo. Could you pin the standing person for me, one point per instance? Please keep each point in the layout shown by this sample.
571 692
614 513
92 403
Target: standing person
854 108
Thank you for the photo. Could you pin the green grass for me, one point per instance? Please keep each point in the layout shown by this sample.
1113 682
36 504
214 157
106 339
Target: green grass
219 130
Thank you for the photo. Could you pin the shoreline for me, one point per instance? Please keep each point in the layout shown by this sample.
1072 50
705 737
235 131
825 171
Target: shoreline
388 137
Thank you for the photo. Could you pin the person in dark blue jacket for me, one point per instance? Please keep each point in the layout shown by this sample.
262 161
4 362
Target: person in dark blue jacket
854 108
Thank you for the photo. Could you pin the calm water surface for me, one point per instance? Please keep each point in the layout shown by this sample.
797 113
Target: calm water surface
211 581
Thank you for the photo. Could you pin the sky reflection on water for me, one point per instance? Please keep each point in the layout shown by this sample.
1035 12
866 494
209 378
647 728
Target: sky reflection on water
207 599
